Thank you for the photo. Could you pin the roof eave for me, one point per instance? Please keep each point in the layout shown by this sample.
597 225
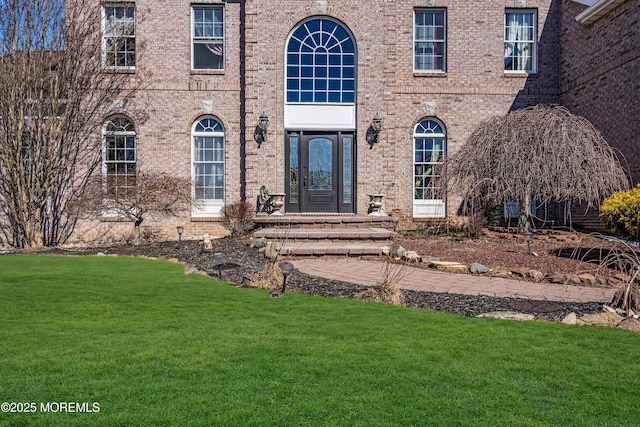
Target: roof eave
597 11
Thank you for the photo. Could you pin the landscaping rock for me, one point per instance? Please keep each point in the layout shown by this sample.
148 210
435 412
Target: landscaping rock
386 250
573 279
260 243
520 271
603 319
269 251
614 283
411 256
448 266
207 244
476 268
570 319
587 279
508 315
501 273
622 277
397 252
630 324
537 276
556 278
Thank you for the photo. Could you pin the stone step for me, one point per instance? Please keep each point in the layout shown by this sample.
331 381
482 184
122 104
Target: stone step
337 221
342 248
333 234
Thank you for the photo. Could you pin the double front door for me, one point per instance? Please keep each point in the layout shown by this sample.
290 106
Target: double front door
320 172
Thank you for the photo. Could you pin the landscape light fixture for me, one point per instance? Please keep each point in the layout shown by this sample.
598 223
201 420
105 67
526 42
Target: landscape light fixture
527 238
286 267
219 255
180 229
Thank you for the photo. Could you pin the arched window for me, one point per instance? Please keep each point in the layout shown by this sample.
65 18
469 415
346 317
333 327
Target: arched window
119 155
208 163
429 148
320 63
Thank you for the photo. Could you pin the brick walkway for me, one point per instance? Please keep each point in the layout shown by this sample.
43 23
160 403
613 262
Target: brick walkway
365 272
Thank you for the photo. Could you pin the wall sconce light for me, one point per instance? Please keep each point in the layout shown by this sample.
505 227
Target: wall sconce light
260 134
180 231
374 130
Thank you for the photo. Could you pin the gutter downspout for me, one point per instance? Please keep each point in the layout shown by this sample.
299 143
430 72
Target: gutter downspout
243 101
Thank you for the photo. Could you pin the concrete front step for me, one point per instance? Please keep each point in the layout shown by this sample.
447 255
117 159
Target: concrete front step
342 248
334 234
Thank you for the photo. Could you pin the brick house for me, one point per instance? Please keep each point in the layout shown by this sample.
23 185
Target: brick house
322 72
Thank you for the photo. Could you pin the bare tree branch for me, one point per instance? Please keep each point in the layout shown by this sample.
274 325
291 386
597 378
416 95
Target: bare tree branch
54 94
542 151
155 195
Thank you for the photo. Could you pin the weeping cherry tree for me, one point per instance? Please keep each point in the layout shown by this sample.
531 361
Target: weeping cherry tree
543 151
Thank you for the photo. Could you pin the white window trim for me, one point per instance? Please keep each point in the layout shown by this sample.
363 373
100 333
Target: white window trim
224 37
312 105
208 208
104 37
428 208
534 55
444 59
109 212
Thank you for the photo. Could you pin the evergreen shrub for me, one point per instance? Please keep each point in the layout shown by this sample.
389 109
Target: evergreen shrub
620 212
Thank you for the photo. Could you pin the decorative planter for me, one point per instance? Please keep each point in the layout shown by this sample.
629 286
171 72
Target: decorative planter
376 205
277 201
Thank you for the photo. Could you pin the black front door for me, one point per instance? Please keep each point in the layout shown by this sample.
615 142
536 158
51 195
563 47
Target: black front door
320 172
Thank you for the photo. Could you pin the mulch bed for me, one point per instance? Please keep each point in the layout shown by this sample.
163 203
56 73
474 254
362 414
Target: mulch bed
241 261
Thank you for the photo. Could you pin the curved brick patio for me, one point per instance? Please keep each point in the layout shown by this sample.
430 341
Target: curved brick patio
364 272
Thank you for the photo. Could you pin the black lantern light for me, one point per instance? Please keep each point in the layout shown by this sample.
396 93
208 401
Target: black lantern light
260 134
376 127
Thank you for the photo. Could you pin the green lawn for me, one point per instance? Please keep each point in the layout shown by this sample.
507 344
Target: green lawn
154 347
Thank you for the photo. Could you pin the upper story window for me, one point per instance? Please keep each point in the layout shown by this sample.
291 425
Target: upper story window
208 38
119 155
520 41
119 35
321 63
430 38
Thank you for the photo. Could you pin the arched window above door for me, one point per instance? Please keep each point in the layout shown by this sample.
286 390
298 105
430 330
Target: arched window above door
321 63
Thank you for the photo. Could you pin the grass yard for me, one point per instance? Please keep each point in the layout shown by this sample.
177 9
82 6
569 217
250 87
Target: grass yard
152 346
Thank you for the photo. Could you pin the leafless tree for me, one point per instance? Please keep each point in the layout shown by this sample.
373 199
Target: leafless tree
54 94
544 152
155 194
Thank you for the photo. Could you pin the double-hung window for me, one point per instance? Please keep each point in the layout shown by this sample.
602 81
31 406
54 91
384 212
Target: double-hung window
119 155
208 159
119 35
207 38
429 43
520 35
429 150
